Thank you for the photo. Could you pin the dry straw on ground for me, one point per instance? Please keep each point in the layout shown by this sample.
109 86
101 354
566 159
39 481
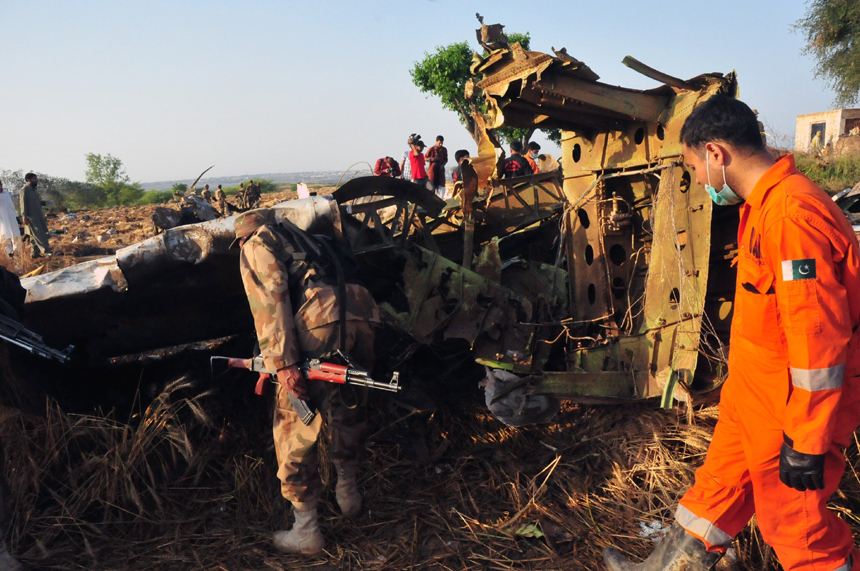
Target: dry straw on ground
180 485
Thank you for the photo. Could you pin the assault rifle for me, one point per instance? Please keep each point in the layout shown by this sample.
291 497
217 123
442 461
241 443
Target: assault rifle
13 332
312 369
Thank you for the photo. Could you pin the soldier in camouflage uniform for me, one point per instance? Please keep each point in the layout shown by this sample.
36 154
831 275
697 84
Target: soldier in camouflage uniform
221 199
296 316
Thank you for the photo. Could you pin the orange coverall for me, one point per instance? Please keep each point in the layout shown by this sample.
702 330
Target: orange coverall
793 372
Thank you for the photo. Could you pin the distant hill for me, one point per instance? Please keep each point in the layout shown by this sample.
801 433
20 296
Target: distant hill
318 177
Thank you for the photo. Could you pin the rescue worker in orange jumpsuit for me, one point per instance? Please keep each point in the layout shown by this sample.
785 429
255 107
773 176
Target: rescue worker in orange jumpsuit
790 402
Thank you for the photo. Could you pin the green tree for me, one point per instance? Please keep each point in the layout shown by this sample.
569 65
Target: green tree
445 73
832 30
108 173
179 187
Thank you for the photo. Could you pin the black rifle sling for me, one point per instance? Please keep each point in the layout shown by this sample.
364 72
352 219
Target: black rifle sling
341 292
311 245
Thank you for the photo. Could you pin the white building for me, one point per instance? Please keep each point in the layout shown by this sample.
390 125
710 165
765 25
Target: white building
822 129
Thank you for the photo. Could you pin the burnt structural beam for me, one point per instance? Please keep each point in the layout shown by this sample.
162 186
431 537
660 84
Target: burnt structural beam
569 115
656 75
636 105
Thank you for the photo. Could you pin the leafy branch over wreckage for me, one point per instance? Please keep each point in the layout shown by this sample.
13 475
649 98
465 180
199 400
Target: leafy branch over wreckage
607 281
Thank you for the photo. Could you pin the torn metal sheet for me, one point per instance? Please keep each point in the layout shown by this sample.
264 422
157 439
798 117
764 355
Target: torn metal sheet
647 256
178 287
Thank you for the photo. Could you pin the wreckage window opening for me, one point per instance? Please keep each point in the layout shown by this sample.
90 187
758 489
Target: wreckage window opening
639 136
583 218
684 186
577 153
660 133
592 294
617 254
589 255
675 296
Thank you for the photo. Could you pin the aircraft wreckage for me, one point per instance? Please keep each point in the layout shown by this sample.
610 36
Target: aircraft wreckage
607 280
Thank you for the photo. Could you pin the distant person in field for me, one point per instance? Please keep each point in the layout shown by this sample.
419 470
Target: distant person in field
254 194
437 157
35 223
9 232
416 163
516 165
207 196
405 166
221 200
386 166
533 156
240 196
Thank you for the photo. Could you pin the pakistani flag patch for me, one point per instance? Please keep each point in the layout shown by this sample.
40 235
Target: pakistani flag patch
793 270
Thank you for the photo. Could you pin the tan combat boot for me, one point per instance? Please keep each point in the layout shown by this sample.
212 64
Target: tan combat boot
305 535
346 491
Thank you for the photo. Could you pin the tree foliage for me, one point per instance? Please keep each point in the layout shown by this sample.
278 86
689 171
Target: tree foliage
108 174
832 30
444 74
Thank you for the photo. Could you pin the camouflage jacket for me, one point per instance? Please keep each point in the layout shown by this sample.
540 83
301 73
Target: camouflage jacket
275 281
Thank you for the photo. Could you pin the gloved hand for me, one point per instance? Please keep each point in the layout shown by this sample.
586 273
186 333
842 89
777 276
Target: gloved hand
293 381
800 471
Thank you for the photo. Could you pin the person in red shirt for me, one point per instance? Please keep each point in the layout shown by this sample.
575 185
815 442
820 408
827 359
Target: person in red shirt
386 166
437 156
416 163
791 402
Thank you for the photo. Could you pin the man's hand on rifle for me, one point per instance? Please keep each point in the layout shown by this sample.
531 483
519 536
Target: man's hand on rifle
293 381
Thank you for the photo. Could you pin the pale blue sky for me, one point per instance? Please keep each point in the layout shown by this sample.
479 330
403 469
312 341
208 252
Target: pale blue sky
172 87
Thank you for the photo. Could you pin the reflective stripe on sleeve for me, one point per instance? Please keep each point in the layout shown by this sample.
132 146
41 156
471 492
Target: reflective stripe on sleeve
818 379
701 527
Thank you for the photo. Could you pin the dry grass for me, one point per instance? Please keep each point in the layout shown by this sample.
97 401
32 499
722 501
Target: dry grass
180 486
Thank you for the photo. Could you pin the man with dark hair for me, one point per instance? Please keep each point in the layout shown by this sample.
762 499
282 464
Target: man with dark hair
532 156
416 163
206 194
35 223
792 398
386 166
516 165
437 156
458 158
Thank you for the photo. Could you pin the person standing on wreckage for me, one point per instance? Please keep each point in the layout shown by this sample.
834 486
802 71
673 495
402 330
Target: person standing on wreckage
792 398
295 301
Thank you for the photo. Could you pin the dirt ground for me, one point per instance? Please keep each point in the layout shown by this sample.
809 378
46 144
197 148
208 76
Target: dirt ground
84 234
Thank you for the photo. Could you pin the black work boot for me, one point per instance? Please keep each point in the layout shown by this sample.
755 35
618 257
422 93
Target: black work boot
678 551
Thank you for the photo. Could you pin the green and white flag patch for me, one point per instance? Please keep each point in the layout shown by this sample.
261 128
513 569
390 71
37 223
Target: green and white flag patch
798 270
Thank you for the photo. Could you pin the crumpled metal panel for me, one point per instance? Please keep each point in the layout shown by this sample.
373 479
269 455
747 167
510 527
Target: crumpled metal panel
77 280
178 287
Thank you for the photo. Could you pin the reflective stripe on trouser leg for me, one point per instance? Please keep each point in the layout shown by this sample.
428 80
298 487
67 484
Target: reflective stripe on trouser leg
700 527
720 504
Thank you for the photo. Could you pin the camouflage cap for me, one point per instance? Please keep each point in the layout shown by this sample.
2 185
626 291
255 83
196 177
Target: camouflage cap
248 222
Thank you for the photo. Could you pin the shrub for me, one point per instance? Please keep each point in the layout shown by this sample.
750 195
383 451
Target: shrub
832 173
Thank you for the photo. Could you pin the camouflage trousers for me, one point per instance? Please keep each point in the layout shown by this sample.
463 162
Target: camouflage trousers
342 408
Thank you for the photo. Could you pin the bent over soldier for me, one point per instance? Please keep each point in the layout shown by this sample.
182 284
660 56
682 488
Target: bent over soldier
295 300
